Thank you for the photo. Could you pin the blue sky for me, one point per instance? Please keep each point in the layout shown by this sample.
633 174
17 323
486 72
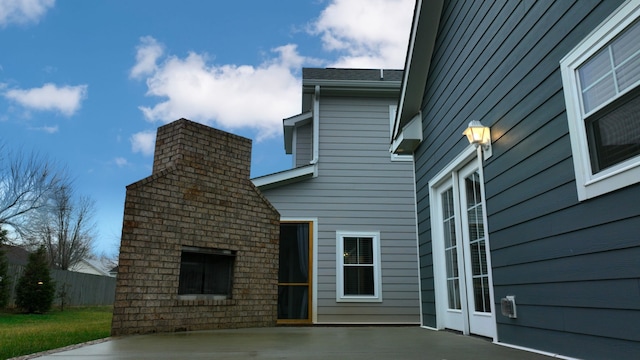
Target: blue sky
87 83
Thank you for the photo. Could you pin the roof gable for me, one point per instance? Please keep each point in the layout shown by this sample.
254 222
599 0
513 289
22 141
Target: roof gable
424 31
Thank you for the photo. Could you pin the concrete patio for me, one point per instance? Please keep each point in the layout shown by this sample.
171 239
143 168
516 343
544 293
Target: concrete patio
320 342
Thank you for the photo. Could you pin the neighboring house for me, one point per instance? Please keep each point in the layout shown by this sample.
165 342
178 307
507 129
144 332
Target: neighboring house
550 215
113 271
348 250
90 266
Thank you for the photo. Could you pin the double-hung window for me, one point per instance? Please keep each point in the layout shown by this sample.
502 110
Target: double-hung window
358 266
601 79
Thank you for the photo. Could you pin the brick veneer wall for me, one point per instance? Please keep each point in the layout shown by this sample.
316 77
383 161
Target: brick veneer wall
199 195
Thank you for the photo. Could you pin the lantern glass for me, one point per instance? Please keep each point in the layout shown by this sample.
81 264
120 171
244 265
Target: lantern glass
477 133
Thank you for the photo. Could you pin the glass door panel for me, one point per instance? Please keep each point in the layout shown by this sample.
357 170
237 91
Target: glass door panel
451 249
462 266
477 253
477 277
294 285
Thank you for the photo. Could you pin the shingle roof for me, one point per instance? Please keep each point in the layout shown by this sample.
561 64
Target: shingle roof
351 74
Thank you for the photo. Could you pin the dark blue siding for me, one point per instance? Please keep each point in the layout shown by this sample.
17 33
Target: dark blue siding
573 266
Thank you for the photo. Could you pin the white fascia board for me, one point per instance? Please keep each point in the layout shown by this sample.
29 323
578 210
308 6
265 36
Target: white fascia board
289 124
409 138
421 45
351 85
286 177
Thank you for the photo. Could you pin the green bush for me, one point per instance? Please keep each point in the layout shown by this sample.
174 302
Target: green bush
35 289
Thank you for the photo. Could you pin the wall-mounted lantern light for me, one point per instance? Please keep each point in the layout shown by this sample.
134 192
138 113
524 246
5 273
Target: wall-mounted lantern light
479 135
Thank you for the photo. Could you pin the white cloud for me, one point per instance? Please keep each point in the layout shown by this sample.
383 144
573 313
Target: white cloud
366 34
48 129
227 96
147 54
362 34
143 142
120 162
49 97
23 11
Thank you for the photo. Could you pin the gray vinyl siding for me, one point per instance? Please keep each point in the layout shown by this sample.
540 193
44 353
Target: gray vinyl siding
359 188
304 144
573 266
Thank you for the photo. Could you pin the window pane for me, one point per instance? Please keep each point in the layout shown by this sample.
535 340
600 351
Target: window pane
217 276
476 224
365 251
449 233
482 256
475 258
481 294
478 258
629 73
358 280
447 204
448 216
594 69
452 262
350 250
598 94
358 250
626 45
191 276
615 135
474 206
472 189
620 58
453 287
626 57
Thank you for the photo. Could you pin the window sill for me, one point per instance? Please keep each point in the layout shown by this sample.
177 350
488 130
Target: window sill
208 300
360 299
618 177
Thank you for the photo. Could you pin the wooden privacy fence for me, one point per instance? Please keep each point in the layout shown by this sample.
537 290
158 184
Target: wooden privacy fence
80 289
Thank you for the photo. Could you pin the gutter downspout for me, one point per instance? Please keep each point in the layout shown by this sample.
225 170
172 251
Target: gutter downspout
316 129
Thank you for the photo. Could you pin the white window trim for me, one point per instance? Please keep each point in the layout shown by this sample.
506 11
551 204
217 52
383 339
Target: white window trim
588 184
377 273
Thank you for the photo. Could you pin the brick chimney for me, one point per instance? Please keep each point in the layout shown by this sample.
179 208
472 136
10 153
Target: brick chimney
198 210
199 146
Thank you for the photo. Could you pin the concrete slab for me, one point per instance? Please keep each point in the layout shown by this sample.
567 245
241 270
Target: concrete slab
317 342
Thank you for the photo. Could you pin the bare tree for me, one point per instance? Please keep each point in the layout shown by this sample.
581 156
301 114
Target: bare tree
66 230
26 182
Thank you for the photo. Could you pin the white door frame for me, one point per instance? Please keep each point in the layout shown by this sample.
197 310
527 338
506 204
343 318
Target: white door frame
449 174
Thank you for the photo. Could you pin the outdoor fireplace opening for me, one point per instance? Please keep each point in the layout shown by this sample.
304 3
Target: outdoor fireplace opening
206 273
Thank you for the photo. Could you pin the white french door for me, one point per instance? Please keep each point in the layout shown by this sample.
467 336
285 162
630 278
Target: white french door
461 256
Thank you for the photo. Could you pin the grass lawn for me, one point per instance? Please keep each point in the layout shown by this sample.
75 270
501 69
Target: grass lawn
23 334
